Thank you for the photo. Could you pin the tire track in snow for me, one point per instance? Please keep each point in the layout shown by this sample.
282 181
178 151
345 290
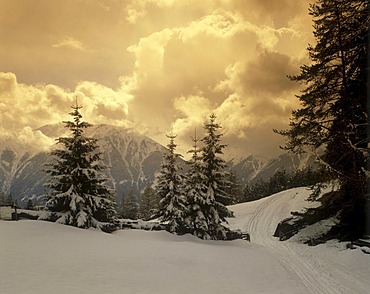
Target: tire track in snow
261 227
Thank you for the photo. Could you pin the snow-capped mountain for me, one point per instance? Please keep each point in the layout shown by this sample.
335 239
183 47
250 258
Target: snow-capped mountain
131 159
253 168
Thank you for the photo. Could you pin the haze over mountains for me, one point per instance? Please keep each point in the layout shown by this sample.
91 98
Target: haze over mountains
132 160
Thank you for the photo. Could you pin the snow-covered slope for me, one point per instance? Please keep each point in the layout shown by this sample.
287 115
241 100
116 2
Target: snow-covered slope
326 268
42 257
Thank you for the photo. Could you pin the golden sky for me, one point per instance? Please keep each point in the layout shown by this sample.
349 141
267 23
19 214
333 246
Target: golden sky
154 65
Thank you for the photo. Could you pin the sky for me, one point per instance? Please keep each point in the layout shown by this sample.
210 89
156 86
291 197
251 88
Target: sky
154 65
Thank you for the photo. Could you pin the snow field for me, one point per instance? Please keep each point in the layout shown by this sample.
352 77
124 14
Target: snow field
43 257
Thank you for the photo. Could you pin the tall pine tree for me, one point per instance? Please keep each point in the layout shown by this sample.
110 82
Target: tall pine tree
198 208
169 186
333 115
216 178
78 193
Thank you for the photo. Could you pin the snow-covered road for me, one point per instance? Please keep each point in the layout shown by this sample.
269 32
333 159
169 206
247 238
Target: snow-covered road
321 269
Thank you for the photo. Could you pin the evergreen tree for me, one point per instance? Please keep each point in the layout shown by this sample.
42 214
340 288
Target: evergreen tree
235 190
78 193
131 209
149 203
6 199
216 179
256 191
282 180
169 187
2 198
198 208
333 114
30 205
214 167
122 210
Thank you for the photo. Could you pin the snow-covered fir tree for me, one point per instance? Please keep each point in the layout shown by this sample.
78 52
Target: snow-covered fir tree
235 190
79 195
216 178
198 206
132 207
149 202
168 186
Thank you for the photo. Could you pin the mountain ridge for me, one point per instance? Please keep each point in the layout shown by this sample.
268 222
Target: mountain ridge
132 159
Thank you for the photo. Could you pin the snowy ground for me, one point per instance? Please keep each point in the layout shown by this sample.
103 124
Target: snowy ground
326 268
42 257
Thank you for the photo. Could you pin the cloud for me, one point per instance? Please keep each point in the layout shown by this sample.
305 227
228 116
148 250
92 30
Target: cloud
29 139
270 70
28 107
138 9
185 73
149 53
34 139
193 112
180 62
155 65
103 104
70 43
133 15
258 97
8 82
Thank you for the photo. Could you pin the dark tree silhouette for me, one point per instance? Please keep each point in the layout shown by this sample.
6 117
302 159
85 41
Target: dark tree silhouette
333 115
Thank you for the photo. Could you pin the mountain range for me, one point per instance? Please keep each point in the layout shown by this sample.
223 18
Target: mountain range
132 160
253 168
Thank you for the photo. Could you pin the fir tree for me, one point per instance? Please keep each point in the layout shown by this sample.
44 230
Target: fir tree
30 205
169 187
149 203
333 114
235 190
214 167
216 179
121 209
131 206
6 199
198 208
78 193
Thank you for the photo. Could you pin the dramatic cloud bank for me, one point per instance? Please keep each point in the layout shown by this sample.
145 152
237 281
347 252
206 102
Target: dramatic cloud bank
155 66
